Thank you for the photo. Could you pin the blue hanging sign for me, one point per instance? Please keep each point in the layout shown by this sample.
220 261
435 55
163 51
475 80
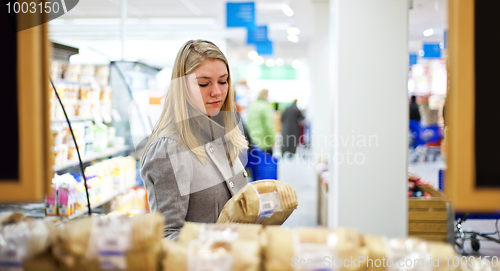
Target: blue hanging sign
264 47
432 50
256 35
413 59
240 15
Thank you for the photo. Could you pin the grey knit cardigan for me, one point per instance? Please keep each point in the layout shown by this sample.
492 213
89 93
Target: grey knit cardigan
184 189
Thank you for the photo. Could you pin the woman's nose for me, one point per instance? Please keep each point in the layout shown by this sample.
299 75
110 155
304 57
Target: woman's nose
215 90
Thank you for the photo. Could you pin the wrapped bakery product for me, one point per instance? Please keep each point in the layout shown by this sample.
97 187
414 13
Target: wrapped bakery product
214 247
22 238
192 231
424 255
421 254
312 248
266 202
107 242
45 261
376 246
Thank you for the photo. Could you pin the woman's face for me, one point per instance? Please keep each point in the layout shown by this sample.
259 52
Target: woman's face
208 86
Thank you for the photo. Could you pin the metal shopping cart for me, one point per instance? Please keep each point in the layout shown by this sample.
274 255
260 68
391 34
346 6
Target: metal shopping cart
425 141
462 236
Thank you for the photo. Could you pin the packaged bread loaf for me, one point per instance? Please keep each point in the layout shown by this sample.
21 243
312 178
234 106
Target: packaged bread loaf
191 231
217 247
266 202
108 242
312 248
430 255
22 238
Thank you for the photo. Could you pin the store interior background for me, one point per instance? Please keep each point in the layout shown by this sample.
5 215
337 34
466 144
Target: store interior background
314 61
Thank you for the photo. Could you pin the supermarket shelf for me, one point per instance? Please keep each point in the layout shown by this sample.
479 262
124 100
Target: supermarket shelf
89 158
73 119
37 210
79 213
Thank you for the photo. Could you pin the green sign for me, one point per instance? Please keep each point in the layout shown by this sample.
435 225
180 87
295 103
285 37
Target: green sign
278 73
266 73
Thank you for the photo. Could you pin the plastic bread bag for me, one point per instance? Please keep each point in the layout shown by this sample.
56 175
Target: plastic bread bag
266 202
215 248
191 231
110 243
408 254
21 238
312 249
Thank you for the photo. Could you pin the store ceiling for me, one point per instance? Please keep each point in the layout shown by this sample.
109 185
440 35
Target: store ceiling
427 14
92 22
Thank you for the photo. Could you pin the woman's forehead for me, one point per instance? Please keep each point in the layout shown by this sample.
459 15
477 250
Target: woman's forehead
211 68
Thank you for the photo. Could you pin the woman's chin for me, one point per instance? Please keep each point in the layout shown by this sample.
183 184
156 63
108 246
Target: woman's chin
213 113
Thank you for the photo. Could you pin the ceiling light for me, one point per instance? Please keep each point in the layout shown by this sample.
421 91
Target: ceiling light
287 10
252 54
429 32
258 60
293 30
421 53
270 62
280 62
293 38
296 64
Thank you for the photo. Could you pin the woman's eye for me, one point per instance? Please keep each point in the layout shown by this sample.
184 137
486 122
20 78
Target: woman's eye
203 85
223 83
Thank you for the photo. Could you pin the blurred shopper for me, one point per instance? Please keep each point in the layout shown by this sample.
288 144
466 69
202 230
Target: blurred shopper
291 128
260 122
414 111
277 119
245 129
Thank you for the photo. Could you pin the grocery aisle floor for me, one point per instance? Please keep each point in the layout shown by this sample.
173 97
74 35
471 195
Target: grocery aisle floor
300 173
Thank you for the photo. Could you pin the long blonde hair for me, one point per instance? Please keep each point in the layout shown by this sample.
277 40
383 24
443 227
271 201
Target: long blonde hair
179 106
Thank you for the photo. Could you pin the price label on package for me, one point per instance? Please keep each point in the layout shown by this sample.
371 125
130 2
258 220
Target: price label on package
111 236
14 240
268 204
10 260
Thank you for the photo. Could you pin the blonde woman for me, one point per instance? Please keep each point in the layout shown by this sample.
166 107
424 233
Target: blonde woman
191 166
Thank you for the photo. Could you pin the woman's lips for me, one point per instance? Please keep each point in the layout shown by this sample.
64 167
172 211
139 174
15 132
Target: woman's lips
216 103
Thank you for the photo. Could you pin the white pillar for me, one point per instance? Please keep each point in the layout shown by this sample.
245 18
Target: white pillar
369 56
320 84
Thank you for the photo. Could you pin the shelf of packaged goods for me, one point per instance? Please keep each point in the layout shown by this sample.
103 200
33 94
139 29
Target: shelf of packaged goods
92 157
37 210
83 212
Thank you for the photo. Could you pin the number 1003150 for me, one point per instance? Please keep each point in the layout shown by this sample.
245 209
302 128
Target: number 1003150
33 7
471 261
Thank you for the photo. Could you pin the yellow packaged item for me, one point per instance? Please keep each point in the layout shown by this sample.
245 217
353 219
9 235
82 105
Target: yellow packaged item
313 248
191 231
22 239
266 202
225 247
108 242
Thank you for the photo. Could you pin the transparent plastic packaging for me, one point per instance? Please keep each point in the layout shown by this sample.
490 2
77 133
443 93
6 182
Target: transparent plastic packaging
214 247
21 239
266 202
